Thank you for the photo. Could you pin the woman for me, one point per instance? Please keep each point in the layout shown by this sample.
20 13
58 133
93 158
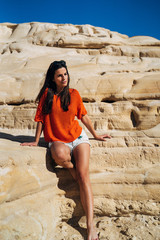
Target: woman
57 108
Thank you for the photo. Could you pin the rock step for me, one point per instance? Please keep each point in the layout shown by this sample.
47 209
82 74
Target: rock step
125 157
116 173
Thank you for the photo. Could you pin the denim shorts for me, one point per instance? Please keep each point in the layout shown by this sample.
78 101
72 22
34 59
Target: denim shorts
83 138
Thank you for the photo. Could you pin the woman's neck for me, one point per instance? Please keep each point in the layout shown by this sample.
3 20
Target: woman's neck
58 91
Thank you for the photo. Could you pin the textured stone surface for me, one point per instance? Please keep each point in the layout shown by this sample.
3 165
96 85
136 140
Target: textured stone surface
119 80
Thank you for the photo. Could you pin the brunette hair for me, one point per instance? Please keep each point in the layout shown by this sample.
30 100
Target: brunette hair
52 88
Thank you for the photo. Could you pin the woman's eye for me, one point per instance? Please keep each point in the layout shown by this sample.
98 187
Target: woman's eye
60 75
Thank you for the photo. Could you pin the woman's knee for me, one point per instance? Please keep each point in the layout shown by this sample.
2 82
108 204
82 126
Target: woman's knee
61 155
60 151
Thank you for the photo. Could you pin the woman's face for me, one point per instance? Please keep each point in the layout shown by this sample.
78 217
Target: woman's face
60 78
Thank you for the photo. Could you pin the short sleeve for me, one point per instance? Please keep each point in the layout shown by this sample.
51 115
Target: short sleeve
81 111
39 117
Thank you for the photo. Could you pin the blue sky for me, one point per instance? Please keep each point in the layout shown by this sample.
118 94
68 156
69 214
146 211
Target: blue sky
130 17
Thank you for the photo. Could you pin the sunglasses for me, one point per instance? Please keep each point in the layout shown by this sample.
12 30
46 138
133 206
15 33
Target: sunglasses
59 62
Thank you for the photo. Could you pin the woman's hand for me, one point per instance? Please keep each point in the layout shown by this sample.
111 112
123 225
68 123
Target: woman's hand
102 137
34 144
87 122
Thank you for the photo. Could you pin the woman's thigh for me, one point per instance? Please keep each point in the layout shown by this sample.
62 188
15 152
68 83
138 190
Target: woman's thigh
81 155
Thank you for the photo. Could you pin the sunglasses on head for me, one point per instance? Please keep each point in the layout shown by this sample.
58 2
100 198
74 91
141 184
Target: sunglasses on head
60 62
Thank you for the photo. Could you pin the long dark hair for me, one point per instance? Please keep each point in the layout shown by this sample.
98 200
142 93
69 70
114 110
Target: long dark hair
52 88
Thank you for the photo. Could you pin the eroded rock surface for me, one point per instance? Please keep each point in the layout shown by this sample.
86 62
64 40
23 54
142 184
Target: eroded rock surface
119 80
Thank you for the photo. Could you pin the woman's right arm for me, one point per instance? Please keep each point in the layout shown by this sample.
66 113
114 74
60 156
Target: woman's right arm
37 136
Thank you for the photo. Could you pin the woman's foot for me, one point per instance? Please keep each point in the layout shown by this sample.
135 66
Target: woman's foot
92 234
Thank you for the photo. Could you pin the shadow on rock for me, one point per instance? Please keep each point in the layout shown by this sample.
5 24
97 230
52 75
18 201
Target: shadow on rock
22 138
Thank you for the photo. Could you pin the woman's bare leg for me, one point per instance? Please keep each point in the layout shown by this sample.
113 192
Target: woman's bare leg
81 154
61 154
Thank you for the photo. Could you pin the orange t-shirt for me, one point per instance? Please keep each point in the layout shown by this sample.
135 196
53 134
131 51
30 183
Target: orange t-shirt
60 125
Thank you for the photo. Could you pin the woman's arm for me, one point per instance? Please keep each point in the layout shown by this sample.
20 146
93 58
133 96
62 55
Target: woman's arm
37 136
87 122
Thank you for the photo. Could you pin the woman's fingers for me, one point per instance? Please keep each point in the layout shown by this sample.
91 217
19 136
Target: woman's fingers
29 144
106 136
102 137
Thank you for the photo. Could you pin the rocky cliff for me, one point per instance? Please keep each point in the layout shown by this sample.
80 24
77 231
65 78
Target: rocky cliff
119 80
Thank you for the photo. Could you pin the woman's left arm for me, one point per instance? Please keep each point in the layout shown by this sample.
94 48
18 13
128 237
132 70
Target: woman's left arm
87 122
